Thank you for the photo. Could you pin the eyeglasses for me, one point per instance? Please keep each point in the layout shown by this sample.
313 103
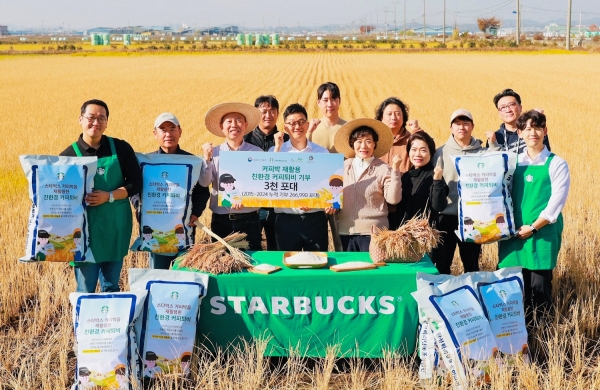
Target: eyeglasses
91 119
508 106
299 123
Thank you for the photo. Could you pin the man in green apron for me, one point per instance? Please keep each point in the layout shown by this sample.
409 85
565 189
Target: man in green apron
540 188
118 176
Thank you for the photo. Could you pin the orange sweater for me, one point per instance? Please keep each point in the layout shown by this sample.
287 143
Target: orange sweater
365 200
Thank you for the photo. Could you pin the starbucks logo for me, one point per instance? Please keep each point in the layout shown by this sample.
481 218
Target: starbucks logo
529 178
480 165
104 309
60 176
174 295
164 175
100 171
502 294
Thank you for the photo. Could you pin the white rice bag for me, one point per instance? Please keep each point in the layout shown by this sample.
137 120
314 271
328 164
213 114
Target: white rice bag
460 327
501 296
58 224
164 205
428 350
167 327
105 339
485 212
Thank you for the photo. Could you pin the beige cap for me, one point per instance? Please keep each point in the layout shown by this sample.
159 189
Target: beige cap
213 117
460 112
342 137
165 117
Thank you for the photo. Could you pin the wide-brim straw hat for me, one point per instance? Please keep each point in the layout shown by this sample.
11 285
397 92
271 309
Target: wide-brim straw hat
213 117
342 137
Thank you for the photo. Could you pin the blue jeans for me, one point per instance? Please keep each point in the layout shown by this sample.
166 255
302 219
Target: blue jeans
108 273
161 261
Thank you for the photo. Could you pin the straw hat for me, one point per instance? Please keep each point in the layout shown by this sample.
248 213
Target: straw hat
214 115
342 136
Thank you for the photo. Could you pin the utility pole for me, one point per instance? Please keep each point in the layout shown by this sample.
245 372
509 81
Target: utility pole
569 27
385 12
444 28
580 23
405 20
518 30
395 29
424 24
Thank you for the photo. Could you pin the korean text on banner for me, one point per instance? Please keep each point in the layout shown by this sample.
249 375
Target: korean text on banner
284 180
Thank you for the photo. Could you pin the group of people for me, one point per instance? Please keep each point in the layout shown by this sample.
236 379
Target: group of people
392 172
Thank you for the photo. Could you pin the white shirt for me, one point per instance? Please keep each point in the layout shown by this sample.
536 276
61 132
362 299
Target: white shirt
210 174
360 166
287 147
560 179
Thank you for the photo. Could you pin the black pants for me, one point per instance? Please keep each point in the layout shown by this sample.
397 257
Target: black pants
442 255
537 286
355 243
224 224
297 232
267 223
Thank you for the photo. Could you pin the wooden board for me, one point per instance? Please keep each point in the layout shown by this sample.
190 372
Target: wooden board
257 271
322 255
334 268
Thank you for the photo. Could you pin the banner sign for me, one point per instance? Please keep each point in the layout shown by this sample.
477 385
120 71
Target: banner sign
258 179
308 310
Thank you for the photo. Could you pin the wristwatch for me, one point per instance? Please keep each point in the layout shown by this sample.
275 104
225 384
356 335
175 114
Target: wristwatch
111 198
533 230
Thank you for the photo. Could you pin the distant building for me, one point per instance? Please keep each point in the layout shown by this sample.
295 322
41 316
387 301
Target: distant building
231 30
433 31
4 30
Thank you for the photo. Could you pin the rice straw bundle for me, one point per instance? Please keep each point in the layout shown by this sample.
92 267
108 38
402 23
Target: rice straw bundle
406 244
221 257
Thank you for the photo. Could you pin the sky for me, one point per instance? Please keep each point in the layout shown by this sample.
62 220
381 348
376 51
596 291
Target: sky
78 15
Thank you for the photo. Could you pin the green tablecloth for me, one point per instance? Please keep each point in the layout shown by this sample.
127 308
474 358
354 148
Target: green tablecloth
365 312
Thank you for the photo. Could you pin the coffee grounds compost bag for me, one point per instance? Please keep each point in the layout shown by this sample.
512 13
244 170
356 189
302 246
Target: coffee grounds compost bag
167 326
428 350
501 296
461 330
485 212
58 223
105 339
164 206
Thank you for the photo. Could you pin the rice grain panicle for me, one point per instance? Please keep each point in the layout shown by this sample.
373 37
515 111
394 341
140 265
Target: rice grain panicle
409 242
221 257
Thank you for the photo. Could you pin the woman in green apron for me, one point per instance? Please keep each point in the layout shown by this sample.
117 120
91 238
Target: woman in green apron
540 188
118 176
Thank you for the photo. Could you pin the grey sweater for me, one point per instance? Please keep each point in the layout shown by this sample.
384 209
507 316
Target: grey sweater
446 151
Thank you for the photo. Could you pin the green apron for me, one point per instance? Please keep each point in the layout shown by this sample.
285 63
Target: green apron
531 192
110 224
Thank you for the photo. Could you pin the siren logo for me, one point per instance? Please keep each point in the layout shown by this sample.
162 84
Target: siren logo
100 171
481 165
174 295
529 178
164 175
347 305
502 293
104 309
60 176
